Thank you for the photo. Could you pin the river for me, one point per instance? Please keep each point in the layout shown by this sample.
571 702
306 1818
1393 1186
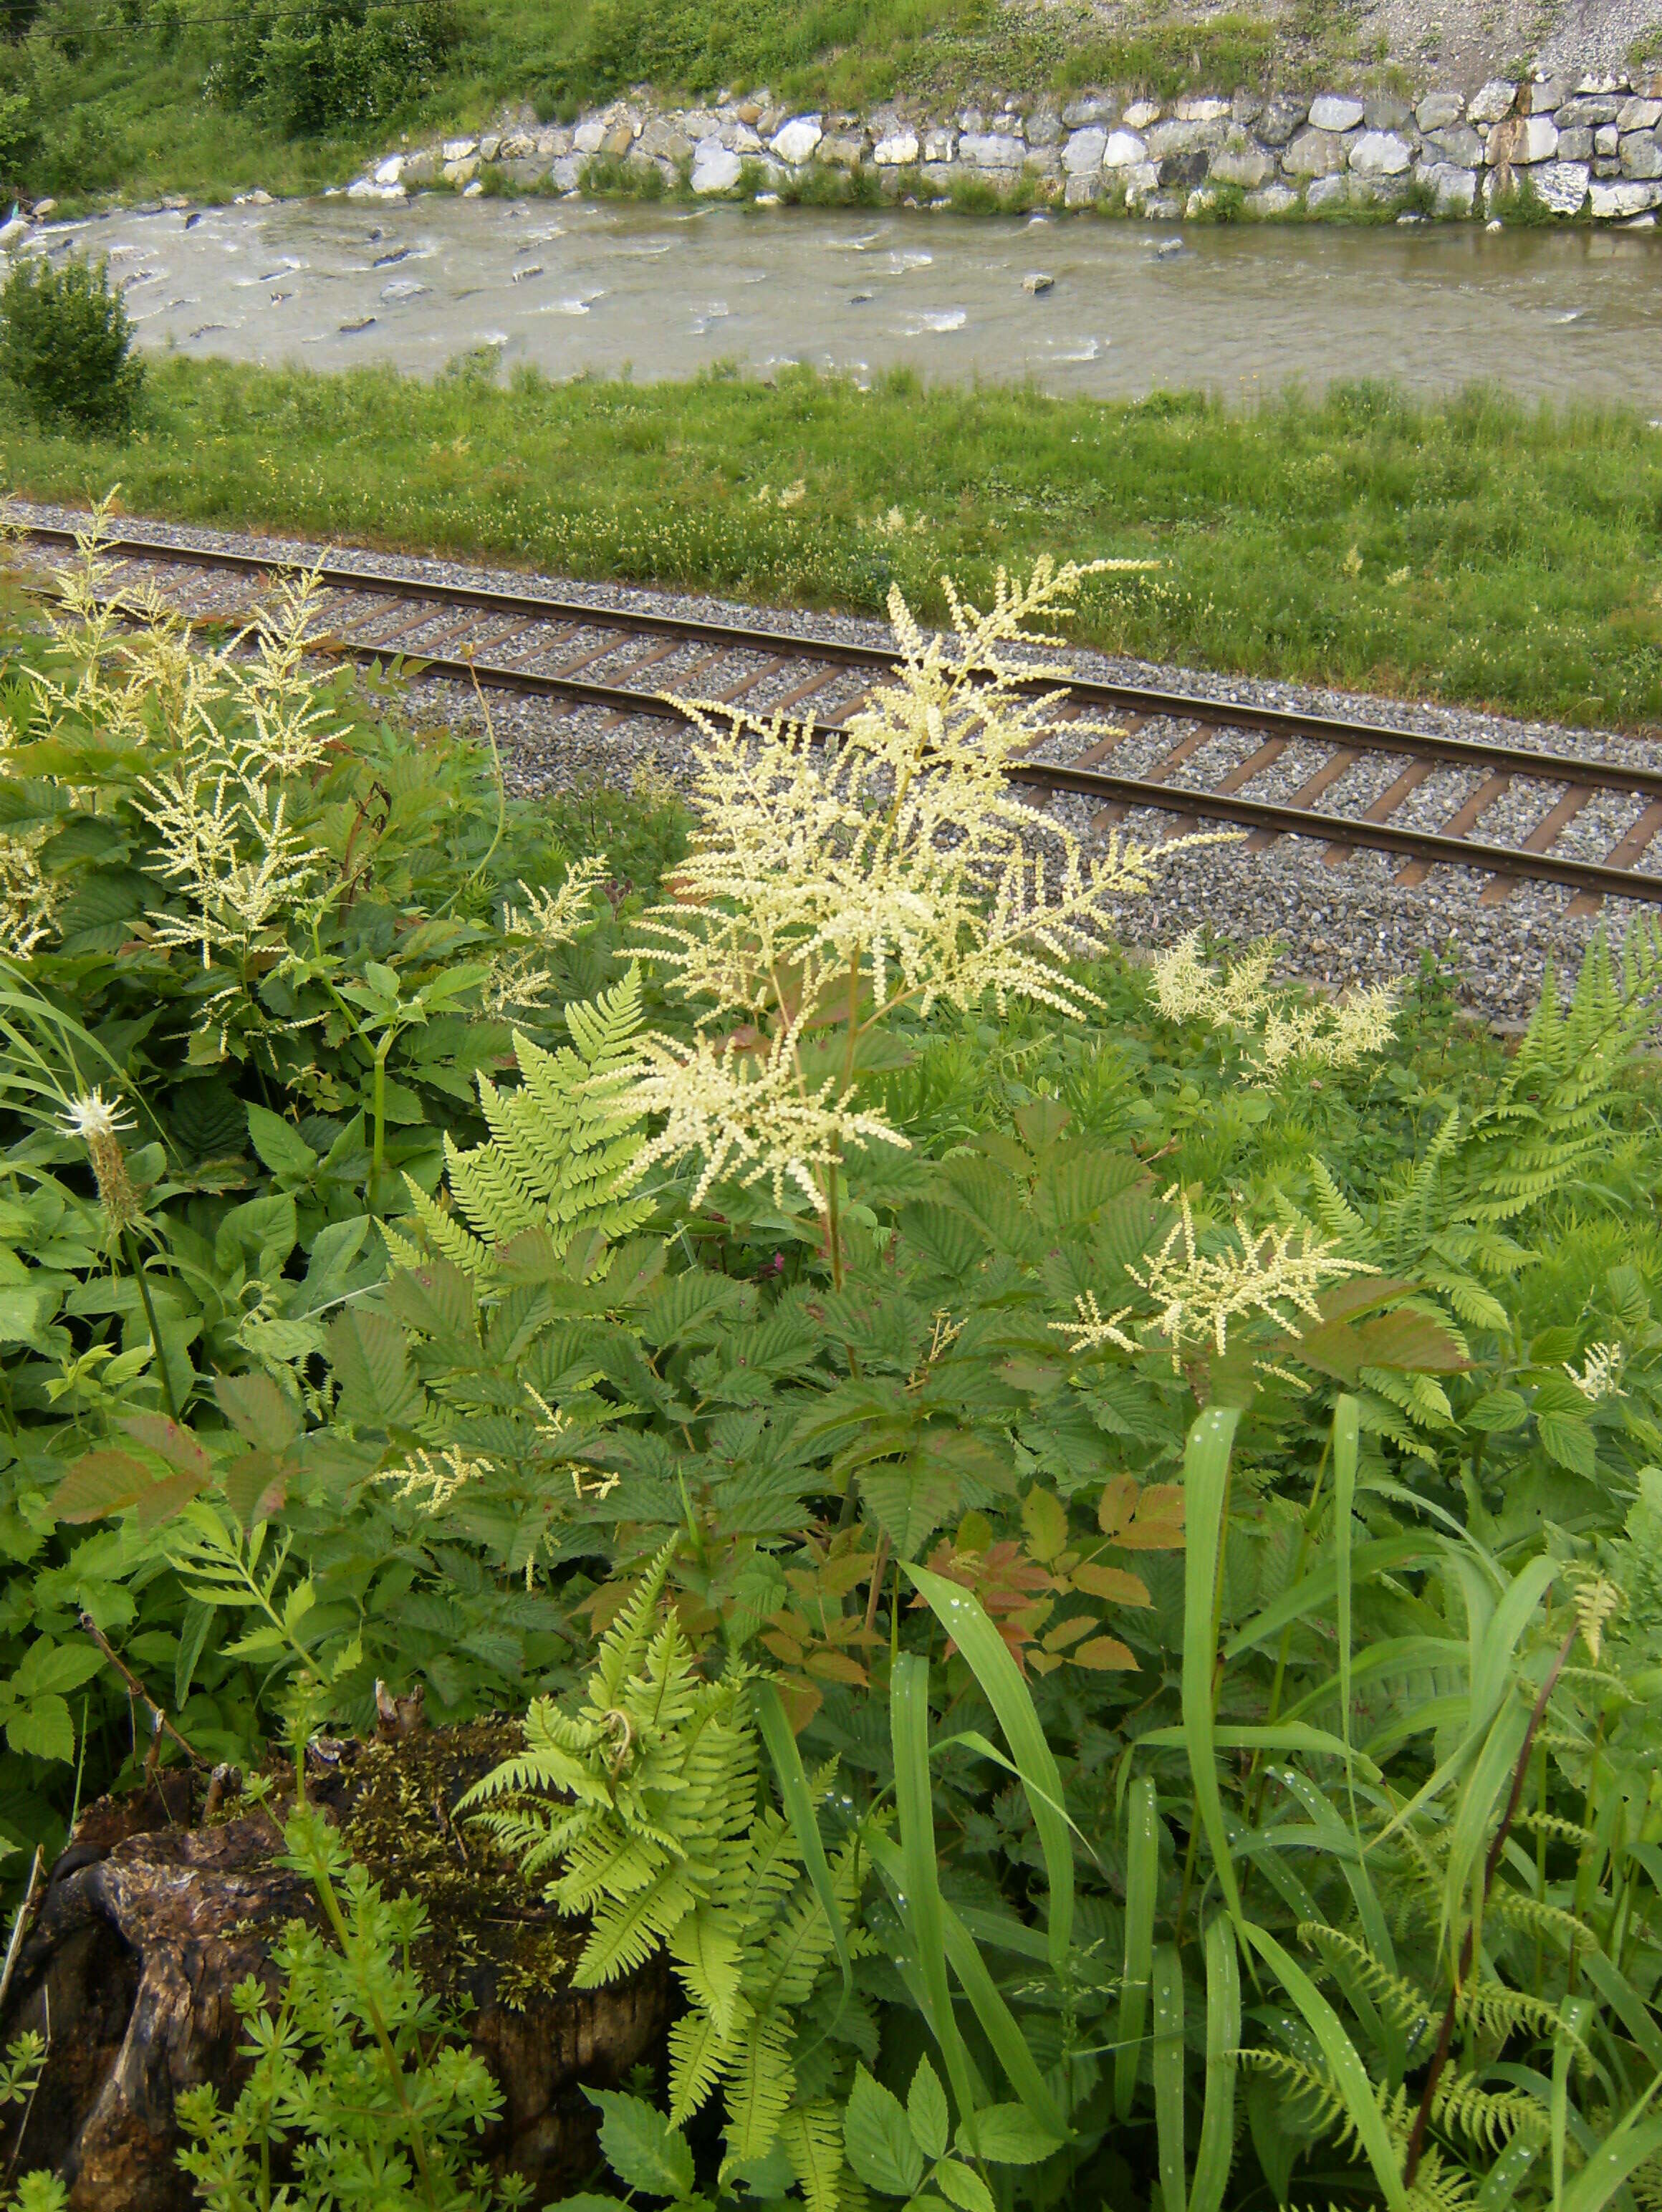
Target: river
569 286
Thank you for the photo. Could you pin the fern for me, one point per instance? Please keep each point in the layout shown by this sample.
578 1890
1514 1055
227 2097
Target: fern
644 1808
563 1150
1440 1218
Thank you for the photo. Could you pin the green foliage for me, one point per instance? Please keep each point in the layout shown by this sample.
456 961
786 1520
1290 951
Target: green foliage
560 1158
174 1250
332 62
357 2078
1083 1725
647 1800
66 343
1492 506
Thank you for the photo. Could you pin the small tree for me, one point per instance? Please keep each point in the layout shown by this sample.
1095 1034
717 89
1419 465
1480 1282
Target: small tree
66 343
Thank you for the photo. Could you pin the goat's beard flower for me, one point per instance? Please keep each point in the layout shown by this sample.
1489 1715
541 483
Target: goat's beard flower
98 1122
830 886
1330 1035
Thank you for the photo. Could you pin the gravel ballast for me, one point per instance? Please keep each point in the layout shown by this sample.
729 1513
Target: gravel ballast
1359 921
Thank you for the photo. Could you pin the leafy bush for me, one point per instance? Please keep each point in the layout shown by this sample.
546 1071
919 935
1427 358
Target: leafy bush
20 137
66 344
333 63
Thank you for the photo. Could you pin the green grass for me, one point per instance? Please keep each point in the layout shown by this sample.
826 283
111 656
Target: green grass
1477 551
118 96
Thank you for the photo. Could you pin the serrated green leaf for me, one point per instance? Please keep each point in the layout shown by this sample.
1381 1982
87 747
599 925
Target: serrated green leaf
1008 2134
280 1147
963 2186
877 2138
640 2145
43 1727
372 1365
926 2109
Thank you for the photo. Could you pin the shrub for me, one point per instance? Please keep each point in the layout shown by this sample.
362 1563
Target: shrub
335 62
20 138
66 344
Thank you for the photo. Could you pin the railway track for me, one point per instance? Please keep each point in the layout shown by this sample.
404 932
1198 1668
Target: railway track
1367 777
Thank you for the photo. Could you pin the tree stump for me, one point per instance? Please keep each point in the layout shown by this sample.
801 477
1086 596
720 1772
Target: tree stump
164 1901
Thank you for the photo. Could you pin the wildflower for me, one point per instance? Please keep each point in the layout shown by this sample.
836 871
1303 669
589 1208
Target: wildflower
1090 1332
751 1112
552 1430
1599 1374
98 1122
1328 1035
1274 1272
794 494
517 977
431 1480
828 892
29 899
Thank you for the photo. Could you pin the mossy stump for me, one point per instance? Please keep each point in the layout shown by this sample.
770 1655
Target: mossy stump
165 1900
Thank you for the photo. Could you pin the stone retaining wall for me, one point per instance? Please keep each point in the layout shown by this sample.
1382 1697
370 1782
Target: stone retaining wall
1589 147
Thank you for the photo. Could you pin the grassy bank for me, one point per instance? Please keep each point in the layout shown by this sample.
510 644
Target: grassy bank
1476 551
163 97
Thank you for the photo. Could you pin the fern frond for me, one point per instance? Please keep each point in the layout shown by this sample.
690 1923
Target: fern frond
563 1147
1489 2118
1402 2002
696 2053
759 2082
1487 2007
812 2137
707 1951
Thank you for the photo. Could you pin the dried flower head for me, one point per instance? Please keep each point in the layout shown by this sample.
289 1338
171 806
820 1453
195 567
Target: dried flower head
99 1123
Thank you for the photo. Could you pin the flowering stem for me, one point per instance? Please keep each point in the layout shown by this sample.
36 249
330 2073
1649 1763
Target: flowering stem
163 1375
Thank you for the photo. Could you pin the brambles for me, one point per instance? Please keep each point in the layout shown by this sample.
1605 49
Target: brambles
66 345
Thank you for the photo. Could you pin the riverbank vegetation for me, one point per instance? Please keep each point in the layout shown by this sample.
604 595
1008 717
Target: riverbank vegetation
1079 1546
1478 550
139 98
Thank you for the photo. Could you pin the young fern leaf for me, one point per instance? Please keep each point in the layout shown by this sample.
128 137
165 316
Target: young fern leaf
564 1151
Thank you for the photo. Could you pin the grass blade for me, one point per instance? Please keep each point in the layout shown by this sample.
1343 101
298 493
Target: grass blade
1614 2161
1205 1487
1223 2034
1141 1881
909 1724
960 1614
798 1808
1349 2075
1315 1591
1508 2170
1577 2012
963 1936
1167 2066
1346 1421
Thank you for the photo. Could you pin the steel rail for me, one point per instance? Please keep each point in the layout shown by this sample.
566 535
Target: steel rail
1595 878
1150 701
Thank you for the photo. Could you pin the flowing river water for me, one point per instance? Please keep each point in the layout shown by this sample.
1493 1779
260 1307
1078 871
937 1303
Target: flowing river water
569 286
